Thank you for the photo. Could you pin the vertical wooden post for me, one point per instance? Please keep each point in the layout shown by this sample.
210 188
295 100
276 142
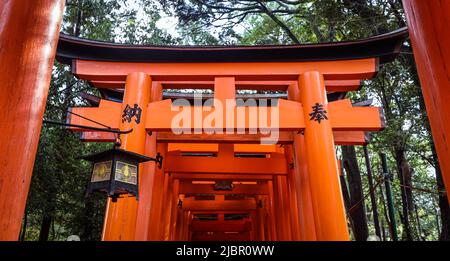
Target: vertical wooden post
373 199
428 28
273 226
304 200
282 208
292 190
329 213
175 209
390 202
260 219
156 226
167 206
28 37
180 221
147 178
120 219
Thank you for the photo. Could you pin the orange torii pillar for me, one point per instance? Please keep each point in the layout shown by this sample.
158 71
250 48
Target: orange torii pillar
148 179
428 27
28 38
156 227
292 189
329 214
120 217
282 209
164 222
303 189
174 209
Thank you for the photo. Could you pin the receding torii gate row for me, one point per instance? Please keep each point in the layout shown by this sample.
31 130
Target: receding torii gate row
317 135
25 67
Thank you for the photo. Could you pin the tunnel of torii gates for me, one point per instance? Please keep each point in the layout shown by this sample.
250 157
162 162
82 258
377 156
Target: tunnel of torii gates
212 186
229 186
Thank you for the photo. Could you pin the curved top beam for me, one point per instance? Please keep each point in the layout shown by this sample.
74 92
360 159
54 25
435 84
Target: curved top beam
384 47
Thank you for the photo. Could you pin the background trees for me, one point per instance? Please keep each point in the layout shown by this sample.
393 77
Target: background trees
56 205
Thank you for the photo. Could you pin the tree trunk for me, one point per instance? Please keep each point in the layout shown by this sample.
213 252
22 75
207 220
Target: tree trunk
372 191
356 211
443 203
346 198
45 227
24 226
404 175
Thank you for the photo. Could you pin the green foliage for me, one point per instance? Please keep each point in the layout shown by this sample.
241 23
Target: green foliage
60 178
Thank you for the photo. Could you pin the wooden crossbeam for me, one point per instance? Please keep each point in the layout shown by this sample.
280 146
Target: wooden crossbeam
275 165
221 236
107 113
245 189
211 147
331 85
217 205
161 114
168 137
251 71
342 115
340 138
220 176
221 225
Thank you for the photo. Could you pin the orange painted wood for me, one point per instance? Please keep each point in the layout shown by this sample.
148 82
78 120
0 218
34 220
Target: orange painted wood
210 147
161 114
218 205
221 226
172 222
351 137
168 137
94 136
331 85
428 28
292 193
255 148
233 177
164 112
224 88
332 70
189 188
157 196
28 38
202 236
193 147
168 208
109 114
121 216
175 209
180 221
282 208
340 138
275 165
271 208
303 191
329 214
304 203
341 117
357 119
206 141
147 177
260 221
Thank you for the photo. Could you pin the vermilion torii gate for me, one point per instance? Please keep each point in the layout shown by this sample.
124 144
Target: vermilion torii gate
218 186
303 199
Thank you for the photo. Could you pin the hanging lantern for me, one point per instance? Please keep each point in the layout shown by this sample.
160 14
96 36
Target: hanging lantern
116 172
